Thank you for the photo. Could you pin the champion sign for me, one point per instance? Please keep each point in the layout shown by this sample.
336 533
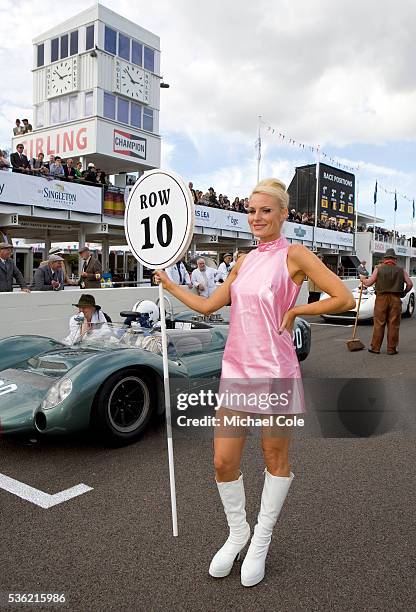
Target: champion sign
129 144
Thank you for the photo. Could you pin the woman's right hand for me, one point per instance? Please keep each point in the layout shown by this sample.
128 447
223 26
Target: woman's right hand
160 276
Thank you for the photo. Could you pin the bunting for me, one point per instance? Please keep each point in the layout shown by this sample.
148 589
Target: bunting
311 148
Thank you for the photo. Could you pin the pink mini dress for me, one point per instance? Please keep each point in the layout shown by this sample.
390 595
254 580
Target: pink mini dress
257 359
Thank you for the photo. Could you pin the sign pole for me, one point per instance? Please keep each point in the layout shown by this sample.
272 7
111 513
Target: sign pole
168 411
159 223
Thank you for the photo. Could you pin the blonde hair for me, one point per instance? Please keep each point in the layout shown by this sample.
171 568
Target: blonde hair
275 188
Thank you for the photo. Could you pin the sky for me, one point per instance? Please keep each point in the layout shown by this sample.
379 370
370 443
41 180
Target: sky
335 74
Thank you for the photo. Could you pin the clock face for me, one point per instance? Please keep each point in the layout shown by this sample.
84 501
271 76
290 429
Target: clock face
132 81
62 78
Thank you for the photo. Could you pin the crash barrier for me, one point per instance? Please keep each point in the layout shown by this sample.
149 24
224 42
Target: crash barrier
47 313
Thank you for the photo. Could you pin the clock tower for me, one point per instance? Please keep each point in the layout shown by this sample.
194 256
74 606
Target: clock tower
96 93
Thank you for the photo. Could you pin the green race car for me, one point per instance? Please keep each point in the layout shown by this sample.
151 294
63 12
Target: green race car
112 381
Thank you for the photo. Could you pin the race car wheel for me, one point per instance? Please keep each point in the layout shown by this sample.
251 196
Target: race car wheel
123 406
410 306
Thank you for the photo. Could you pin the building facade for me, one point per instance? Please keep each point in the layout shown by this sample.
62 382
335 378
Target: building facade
96 93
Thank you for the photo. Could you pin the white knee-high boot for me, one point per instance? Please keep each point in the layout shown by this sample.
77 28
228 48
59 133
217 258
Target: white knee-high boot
274 493
234 501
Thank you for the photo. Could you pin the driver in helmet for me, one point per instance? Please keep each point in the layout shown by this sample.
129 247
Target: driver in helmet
148 314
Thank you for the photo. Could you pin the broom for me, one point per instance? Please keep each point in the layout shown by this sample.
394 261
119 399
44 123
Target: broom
355 344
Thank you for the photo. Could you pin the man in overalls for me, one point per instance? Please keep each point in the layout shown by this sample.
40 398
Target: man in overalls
390 280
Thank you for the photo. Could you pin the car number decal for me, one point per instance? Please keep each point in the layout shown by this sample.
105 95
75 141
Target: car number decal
297 338
7 388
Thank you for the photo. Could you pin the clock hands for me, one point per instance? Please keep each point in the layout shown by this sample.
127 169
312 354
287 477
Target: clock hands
128 72
61 77
131 79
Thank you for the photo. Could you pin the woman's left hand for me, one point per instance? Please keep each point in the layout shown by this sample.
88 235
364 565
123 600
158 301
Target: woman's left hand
287 323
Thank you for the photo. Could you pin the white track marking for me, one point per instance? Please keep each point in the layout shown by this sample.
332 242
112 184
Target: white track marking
37 497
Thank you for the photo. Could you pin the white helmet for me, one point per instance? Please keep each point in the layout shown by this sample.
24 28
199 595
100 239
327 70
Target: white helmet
149 312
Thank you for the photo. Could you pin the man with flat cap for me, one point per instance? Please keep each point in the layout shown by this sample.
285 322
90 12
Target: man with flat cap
392 283
63 274
91 270
9 270
93 317
49 277
224 268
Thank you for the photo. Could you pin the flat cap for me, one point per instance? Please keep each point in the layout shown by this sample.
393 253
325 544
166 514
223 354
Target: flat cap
53 258
55 250
82 249
5 245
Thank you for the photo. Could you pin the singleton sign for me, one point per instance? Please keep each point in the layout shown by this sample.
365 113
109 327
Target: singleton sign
17 188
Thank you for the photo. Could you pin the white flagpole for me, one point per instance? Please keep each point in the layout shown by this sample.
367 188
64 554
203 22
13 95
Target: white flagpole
357 194
168 411
258 149
318 160
375 217
394 230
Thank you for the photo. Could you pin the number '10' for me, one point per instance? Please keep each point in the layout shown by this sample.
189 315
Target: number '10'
164 220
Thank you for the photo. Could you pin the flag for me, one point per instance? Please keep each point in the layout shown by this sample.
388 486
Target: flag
395 201
375 194
258 147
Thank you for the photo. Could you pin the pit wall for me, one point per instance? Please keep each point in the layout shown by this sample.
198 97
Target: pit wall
47 313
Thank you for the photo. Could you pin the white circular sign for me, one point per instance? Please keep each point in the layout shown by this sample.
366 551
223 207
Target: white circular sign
159 219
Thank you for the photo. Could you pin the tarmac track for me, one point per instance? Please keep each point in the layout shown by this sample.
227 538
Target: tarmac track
345 540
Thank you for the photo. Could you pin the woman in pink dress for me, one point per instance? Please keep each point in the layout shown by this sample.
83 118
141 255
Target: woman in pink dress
262 287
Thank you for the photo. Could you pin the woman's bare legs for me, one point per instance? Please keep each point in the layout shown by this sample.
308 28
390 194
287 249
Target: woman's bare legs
228 448
275 442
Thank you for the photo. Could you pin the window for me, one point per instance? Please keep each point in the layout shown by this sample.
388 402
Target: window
54 108
64 46
136 115
73 108
41 55
89 37
73 47
88 103
63 110
122 110
64 113
124 47
148 119
54 49
110 40
109 106
149 59
39 118
136 53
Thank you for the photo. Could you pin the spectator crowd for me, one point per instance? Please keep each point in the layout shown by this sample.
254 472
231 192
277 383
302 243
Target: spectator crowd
384 234
240 204
54 167
22 127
